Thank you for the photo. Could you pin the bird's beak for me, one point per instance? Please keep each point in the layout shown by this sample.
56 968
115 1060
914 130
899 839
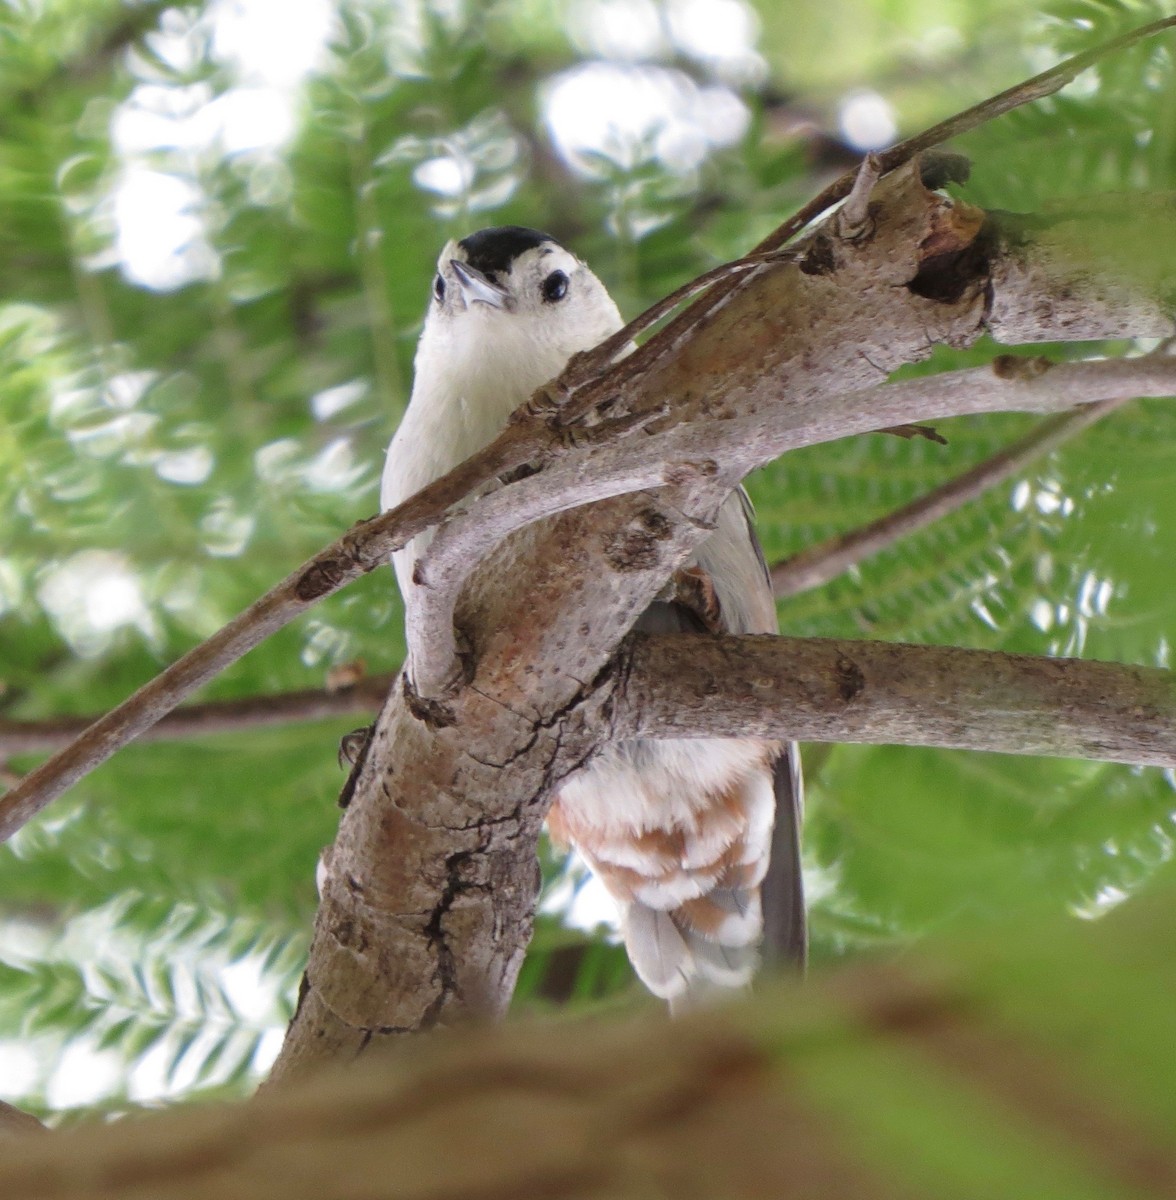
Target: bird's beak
476 288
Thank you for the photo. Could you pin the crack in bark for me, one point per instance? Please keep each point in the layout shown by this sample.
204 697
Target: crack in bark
446 972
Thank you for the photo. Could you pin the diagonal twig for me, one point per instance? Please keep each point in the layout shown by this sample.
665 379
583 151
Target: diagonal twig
817 565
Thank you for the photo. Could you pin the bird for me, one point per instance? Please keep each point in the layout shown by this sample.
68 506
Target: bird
679 831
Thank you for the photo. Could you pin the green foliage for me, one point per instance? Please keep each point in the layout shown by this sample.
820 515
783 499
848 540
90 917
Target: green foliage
171 443
172 987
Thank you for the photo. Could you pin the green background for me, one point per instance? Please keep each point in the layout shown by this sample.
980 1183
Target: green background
162 449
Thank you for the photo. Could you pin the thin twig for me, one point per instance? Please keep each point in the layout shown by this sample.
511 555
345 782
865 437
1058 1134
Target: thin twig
817 565
856 210
214 717
1037 88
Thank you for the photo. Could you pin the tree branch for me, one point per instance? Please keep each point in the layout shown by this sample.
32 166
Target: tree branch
680 452
808 569
832 690
1052 1031
817 565
432 931
217 716
1046 83
429 894
942 272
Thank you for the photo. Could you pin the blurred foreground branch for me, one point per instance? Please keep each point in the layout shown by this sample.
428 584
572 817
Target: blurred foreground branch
1026 1060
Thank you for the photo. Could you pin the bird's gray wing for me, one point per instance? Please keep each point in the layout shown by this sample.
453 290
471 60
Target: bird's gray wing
782 891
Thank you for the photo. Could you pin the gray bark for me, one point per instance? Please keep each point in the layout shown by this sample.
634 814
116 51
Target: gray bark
832 690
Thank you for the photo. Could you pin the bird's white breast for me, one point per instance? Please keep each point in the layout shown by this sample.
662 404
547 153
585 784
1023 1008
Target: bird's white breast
466 388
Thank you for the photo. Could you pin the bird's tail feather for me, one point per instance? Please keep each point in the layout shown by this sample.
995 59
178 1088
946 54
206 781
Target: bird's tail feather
697 950
688 954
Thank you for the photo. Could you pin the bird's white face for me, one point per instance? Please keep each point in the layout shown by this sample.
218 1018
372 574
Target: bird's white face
509 307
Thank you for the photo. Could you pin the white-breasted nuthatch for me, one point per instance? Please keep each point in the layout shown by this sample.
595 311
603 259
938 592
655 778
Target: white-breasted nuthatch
678 831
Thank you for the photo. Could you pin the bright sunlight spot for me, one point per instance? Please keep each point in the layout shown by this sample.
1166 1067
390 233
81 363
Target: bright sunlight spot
90 596
608 113
867 120
160 215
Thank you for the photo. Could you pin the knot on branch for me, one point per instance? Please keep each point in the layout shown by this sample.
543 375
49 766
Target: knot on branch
634 548
955 255
434 713
850 680
678 474
321 578
1013 366
938 168
820 258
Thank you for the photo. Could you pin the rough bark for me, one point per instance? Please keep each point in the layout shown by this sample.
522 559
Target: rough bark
427 907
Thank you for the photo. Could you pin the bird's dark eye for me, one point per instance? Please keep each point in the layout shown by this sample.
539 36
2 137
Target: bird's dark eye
555 287
439 289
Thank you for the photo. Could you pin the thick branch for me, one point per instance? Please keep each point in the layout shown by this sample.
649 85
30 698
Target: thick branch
682 452
829 690
817 565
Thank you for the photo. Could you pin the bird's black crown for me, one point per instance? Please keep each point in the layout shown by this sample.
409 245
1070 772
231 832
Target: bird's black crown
493 250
